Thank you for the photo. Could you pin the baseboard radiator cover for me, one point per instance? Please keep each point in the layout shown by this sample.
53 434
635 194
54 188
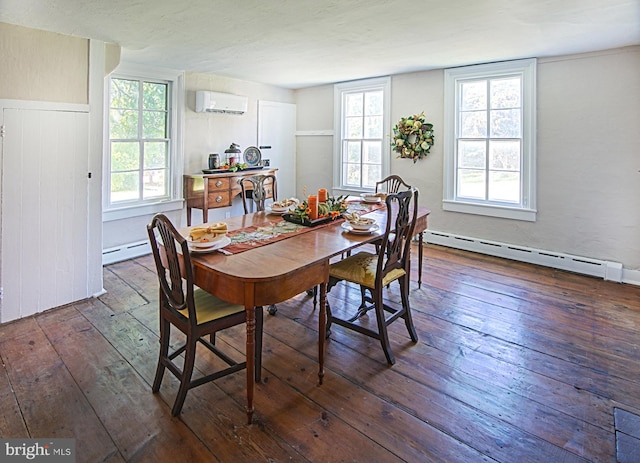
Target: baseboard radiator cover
125 252
587 266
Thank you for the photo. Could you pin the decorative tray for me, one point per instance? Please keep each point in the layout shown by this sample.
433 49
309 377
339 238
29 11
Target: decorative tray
219 171
252 156
306 222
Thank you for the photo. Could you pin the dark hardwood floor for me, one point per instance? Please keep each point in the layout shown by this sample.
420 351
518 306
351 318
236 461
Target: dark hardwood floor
515 363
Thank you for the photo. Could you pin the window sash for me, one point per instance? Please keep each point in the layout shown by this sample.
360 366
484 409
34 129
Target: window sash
360 152
490 145
138 180
165 146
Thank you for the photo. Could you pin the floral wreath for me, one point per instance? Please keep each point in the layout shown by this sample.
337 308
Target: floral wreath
412 137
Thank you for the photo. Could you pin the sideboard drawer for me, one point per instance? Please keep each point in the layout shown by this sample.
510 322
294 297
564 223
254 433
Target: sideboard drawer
218 184
221 198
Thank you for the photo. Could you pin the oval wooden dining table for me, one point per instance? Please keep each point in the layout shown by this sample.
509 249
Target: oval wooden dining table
277 271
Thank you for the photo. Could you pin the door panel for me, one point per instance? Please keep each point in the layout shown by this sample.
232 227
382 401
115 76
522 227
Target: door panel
44 210
277 129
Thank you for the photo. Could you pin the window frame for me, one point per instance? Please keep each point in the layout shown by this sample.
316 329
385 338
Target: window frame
526 210
175 102
339 92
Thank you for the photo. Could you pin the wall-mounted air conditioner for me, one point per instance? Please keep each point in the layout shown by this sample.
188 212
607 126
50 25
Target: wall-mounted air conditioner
214 102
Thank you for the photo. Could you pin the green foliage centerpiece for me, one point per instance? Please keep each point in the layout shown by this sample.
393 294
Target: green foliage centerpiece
331 209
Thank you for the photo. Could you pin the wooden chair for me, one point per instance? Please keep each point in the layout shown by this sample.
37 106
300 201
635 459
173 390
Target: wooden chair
261 188
393 184
374 271
194 312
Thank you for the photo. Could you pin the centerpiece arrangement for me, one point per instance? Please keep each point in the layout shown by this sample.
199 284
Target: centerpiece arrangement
317 209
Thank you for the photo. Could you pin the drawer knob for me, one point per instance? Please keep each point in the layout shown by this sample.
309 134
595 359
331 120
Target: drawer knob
218 199
219 183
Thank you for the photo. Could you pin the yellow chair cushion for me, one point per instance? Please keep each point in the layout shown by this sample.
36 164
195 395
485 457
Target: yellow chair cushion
210 307
361 269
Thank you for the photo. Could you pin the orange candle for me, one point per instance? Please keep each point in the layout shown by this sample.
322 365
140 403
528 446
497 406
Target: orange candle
312 202
322 195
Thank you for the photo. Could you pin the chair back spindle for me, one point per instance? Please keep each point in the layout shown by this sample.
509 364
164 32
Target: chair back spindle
391 184
394 251
258 190
172 275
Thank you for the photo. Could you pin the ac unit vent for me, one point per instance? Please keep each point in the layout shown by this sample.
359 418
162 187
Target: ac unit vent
214 102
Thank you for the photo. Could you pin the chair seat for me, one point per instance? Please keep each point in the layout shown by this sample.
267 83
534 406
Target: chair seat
361 269
210 307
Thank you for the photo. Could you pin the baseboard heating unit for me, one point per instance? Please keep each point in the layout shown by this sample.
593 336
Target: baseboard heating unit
599 268
125 251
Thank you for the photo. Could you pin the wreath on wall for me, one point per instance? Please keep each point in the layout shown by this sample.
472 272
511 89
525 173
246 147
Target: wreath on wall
412 137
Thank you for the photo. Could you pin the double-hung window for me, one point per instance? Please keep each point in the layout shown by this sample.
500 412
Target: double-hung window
361 151
490 140
143 138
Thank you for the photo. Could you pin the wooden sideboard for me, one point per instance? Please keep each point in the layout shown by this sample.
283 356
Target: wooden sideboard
209 191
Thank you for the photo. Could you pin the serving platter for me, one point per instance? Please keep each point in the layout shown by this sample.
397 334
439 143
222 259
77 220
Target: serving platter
252 156
309 223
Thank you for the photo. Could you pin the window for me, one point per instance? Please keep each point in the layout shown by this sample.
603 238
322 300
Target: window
490 140
361 152
142 163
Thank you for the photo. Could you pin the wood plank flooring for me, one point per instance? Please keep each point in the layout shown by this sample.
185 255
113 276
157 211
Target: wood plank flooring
515 363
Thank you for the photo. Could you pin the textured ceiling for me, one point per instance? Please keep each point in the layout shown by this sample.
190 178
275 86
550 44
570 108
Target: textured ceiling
299 43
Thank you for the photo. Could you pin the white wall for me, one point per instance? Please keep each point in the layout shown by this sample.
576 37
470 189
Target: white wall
42 66
314 139
588 155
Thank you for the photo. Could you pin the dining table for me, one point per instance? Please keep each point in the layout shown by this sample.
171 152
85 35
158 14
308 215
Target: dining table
281 267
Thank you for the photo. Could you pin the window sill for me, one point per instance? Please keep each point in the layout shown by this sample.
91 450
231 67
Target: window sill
140 210
504 212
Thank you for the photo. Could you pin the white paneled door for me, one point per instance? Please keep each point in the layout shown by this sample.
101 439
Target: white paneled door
277 142
44 209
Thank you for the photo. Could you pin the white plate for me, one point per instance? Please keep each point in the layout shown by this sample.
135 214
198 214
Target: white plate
252 156
203 244
277 211
350 229
281 210
221 243
368 199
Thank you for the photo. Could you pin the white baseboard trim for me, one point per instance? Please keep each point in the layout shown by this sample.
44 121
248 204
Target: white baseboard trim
612 271
100 293
125 252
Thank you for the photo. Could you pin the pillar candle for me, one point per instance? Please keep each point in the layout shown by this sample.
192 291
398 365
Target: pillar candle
312 202
322 195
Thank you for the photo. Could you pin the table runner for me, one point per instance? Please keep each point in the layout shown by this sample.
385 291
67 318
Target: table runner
276 229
